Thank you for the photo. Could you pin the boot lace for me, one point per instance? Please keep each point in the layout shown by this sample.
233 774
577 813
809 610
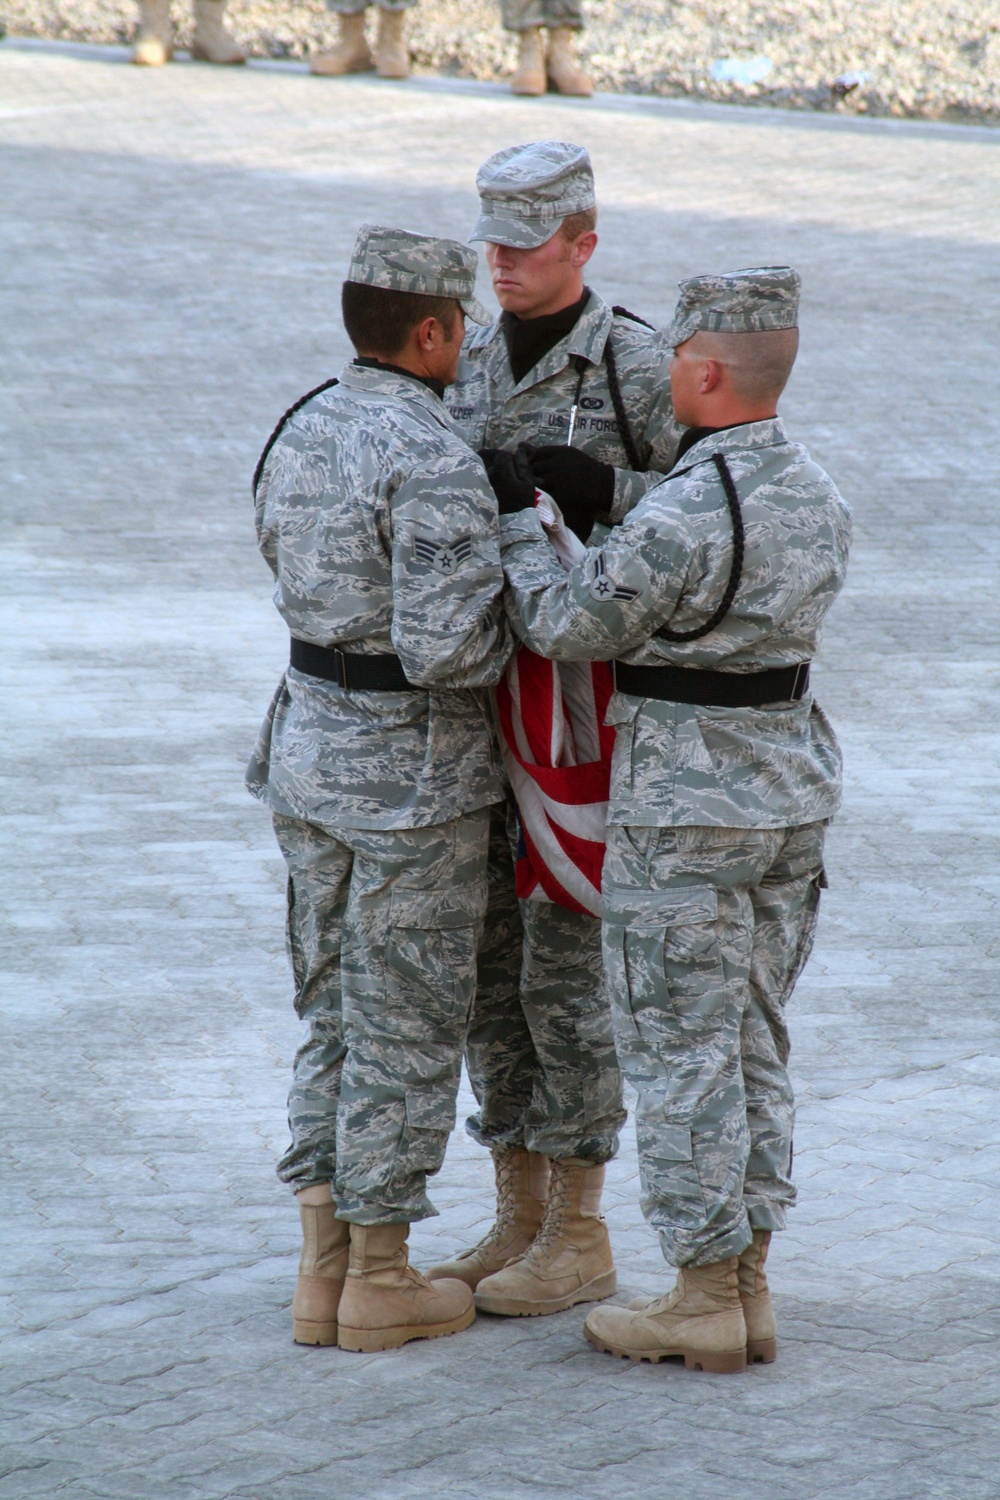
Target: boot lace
553 1219
506 1171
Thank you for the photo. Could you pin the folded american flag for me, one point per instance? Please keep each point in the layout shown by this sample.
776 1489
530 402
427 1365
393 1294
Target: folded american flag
557 751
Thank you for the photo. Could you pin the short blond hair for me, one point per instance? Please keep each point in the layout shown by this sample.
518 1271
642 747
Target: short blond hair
758 364
574 225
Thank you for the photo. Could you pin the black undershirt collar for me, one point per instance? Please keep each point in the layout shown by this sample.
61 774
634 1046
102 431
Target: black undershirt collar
529 339
382 364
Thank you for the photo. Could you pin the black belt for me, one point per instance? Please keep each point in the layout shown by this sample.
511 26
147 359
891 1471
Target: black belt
377 674
713 689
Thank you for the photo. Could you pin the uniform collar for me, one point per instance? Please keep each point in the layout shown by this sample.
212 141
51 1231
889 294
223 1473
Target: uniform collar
383 381
366 363
586 339
766 434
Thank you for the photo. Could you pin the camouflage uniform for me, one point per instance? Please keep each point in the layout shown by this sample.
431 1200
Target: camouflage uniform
355 7
716 815
380 527
541 1054
521 15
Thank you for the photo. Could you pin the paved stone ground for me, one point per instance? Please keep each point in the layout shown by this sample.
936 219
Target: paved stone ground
172 249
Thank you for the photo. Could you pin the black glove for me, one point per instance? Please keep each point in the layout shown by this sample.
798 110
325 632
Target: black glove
512 483
487 455
580 485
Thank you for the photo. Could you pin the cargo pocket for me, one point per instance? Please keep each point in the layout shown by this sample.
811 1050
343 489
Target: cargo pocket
621 717
430 1119
807 931
667 1170
429 965
664 963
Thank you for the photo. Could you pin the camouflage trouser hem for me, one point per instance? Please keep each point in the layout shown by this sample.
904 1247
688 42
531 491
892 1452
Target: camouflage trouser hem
352 8
524 15
706 932
765 1215
382 934
541 1053
587 1154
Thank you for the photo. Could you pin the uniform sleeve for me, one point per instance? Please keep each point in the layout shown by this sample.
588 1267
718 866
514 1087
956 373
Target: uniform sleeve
612 600
659 438
448 625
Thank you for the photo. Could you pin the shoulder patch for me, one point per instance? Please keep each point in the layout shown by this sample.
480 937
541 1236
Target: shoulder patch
604 589
443 557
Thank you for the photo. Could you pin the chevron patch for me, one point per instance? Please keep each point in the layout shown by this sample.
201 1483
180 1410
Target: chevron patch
443 557
604 589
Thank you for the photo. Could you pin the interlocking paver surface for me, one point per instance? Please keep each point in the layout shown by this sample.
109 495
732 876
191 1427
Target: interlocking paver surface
173 245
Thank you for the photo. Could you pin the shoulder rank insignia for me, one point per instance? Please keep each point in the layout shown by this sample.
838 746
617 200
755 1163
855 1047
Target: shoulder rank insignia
604 588
443 557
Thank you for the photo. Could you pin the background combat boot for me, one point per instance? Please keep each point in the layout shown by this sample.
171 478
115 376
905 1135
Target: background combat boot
211 41
522 1188
386 1302
568 1261
351 54
322 1268
701 1321
529 75
392 58
154 41
762 1346
564 72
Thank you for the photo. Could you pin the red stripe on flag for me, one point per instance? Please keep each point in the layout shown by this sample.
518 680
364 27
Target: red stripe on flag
545 878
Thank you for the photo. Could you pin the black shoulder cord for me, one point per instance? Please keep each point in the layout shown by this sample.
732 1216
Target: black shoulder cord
614 386
580 366
623 312
735 572
275 435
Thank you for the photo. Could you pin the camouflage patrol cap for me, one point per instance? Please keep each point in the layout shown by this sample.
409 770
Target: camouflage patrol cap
525 192
404 262
750 301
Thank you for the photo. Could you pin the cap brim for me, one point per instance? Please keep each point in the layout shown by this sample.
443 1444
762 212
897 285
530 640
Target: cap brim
679 332
474 309
519 234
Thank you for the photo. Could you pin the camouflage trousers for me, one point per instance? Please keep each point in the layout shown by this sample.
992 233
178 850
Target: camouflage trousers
541 1052
521 15
382 935
706 931
355 7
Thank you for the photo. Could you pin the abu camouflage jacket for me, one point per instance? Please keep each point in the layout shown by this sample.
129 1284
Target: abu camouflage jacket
669 563
380 528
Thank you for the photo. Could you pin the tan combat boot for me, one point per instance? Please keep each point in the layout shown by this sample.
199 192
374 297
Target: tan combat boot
154 41
322 1268
351 54
564 72
392 57
529 75
762 1346
568 1261
700 1321
386 1302
522 1188
211 41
